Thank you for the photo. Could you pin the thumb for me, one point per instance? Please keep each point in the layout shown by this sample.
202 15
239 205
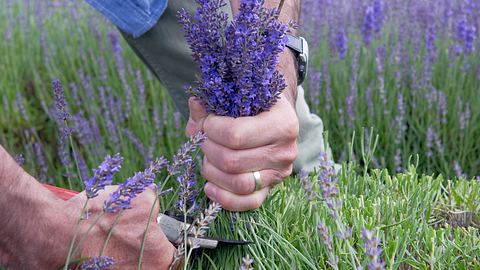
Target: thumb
198 114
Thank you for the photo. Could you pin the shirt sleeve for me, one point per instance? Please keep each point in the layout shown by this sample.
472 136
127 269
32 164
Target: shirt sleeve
132 16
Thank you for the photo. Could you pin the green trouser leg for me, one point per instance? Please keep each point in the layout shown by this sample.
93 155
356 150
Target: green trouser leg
164 50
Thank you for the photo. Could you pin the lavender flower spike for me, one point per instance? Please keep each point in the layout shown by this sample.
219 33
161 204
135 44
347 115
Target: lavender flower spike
121 198
371 244
184 154
206 218
247 263
103 175
97 263
60 103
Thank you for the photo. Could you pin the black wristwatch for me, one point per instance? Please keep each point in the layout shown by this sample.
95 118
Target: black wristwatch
300 47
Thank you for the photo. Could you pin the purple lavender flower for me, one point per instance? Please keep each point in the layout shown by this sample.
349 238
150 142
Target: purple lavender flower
430 138
398 160
328 87
430 39
345 234
378 16
60 103
141 92
400 119
342 43
120 66
465 116
97 263
371 244
82 166
103 175
368 25
327 180
138 144
83 130
184 154
237 61
458 170
314 84
21 106
20 160
177 120
466 35
307 186
325 235
188 193
442 109
40 161
121 198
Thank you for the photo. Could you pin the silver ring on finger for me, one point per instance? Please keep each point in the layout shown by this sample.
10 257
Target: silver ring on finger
258 180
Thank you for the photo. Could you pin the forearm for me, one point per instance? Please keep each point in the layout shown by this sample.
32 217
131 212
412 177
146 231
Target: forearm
27 210
287 61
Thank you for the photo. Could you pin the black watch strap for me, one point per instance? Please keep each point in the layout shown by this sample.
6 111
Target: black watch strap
300 47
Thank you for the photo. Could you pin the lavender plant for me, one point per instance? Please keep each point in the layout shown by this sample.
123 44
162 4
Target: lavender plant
238 75
97 263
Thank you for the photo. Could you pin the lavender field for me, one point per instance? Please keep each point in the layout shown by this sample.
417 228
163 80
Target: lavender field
410 69
407 71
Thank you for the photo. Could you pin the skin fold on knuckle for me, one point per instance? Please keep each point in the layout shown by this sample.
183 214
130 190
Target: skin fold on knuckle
230 163
285 155
234 138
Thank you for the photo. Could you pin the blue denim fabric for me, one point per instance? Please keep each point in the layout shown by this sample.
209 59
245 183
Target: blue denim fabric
132 16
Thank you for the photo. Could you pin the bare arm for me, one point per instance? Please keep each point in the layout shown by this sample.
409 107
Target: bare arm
27 210
37 227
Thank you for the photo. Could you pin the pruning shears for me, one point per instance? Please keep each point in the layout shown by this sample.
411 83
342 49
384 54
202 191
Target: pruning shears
172 226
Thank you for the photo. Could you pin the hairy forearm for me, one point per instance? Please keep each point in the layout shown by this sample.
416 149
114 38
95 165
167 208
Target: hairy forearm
287 62
27 210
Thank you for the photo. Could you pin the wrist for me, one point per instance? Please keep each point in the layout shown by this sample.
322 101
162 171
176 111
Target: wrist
54 224
288 68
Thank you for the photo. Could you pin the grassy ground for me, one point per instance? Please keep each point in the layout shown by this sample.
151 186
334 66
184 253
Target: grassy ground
416 217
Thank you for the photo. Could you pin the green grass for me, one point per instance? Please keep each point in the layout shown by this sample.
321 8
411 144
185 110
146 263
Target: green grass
399 207
402 208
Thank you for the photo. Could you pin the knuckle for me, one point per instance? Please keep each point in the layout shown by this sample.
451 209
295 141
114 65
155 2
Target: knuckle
234 138
291 128
230 163
244 187
288 154
287 172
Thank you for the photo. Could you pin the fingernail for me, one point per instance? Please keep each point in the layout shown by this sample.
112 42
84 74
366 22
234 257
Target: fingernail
211 192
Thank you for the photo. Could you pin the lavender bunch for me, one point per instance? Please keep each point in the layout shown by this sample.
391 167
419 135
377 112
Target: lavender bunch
103 175
238 75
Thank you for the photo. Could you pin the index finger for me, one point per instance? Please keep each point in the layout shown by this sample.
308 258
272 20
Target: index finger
280 124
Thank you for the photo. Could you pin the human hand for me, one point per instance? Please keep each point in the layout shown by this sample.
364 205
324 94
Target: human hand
125 242
236 147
